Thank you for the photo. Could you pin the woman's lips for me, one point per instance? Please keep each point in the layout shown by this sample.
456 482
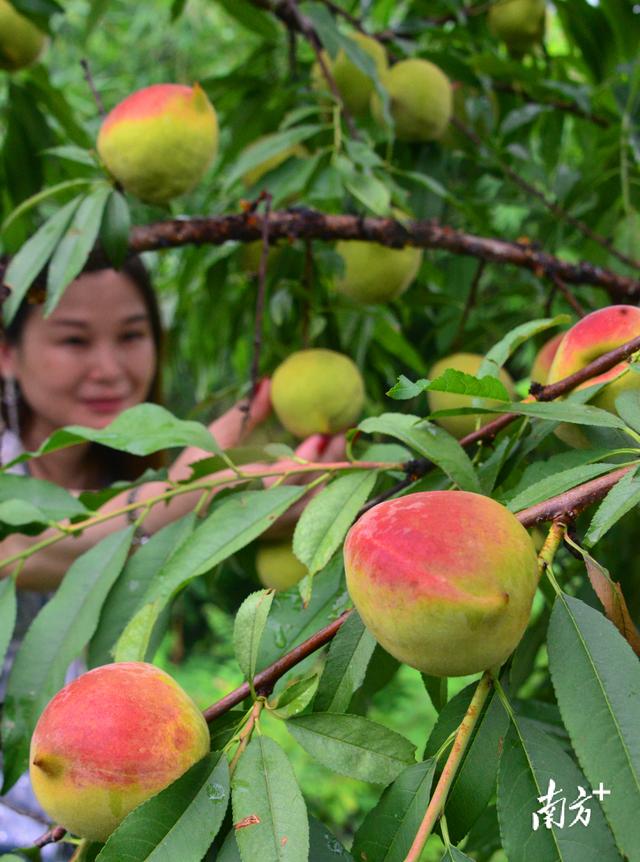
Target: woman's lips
103 405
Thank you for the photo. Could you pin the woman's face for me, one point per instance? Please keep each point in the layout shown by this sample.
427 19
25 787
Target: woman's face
93 357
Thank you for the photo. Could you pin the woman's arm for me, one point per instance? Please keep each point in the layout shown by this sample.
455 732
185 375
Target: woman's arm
44 569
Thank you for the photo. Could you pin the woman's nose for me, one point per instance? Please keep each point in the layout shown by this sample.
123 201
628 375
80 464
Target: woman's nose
105 362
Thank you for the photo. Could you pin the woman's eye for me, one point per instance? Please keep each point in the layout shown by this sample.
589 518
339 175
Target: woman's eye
133 336
75 341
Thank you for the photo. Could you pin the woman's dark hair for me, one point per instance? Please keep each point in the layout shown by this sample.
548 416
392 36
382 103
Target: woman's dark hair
115 465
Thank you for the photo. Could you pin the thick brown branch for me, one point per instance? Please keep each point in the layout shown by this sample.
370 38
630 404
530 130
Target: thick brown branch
311 224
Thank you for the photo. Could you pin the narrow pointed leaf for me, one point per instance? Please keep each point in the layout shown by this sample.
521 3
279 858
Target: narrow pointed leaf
327 518
347 662
8 607
530 760
269 813
352 745
180 822
389 829
596 677
248 628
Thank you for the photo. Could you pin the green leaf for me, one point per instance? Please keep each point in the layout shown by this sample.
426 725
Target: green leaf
114 230
127 594
57 636
133 643
248 628
353 746
429 441
349 655
596 674
45 194
530 761
324 846
466 384
8 608
266 148
623 497
49 501
389 829
180 822
269 813
236 521
453 854
295 697
437 688
563 411
500 352
140 430
73 250
370 191
558 484
326 519
252 18
33 255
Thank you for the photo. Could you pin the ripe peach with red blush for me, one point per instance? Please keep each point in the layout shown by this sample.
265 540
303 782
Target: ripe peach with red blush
444 580
108 741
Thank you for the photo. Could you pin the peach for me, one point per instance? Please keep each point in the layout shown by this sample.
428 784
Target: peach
317 391
109 740
376 274
354 86
159 141
544 359
420 100
21 42
519 23
593 335
277 566
444 580
462 425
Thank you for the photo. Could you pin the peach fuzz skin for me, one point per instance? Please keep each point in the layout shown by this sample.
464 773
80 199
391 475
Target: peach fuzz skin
108 741
544 359
597 333
444 580
159 141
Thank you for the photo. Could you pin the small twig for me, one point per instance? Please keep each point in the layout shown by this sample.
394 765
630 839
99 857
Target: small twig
52 836
571 299
269 676
553 207
439 796
89 79
471 299
553 541
245 734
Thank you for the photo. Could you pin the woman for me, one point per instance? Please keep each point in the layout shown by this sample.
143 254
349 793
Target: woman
96 355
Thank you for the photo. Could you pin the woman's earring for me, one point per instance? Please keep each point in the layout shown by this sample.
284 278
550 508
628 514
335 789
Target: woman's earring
11 401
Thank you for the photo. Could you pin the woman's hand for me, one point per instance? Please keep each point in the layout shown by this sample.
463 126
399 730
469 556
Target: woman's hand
317 448
232 428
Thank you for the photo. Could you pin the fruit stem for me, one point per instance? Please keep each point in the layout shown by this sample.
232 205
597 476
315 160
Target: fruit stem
553 541
436 804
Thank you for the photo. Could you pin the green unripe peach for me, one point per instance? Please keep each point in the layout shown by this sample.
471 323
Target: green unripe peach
108 741
544 359
354 86
317 391
519 23
593 335
21 42
159 142
375 273
421 100
460 426
444 580
277 566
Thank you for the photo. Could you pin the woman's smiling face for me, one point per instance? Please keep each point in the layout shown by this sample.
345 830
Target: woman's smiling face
92 358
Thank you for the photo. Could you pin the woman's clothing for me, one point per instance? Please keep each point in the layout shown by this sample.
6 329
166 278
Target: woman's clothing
22 820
